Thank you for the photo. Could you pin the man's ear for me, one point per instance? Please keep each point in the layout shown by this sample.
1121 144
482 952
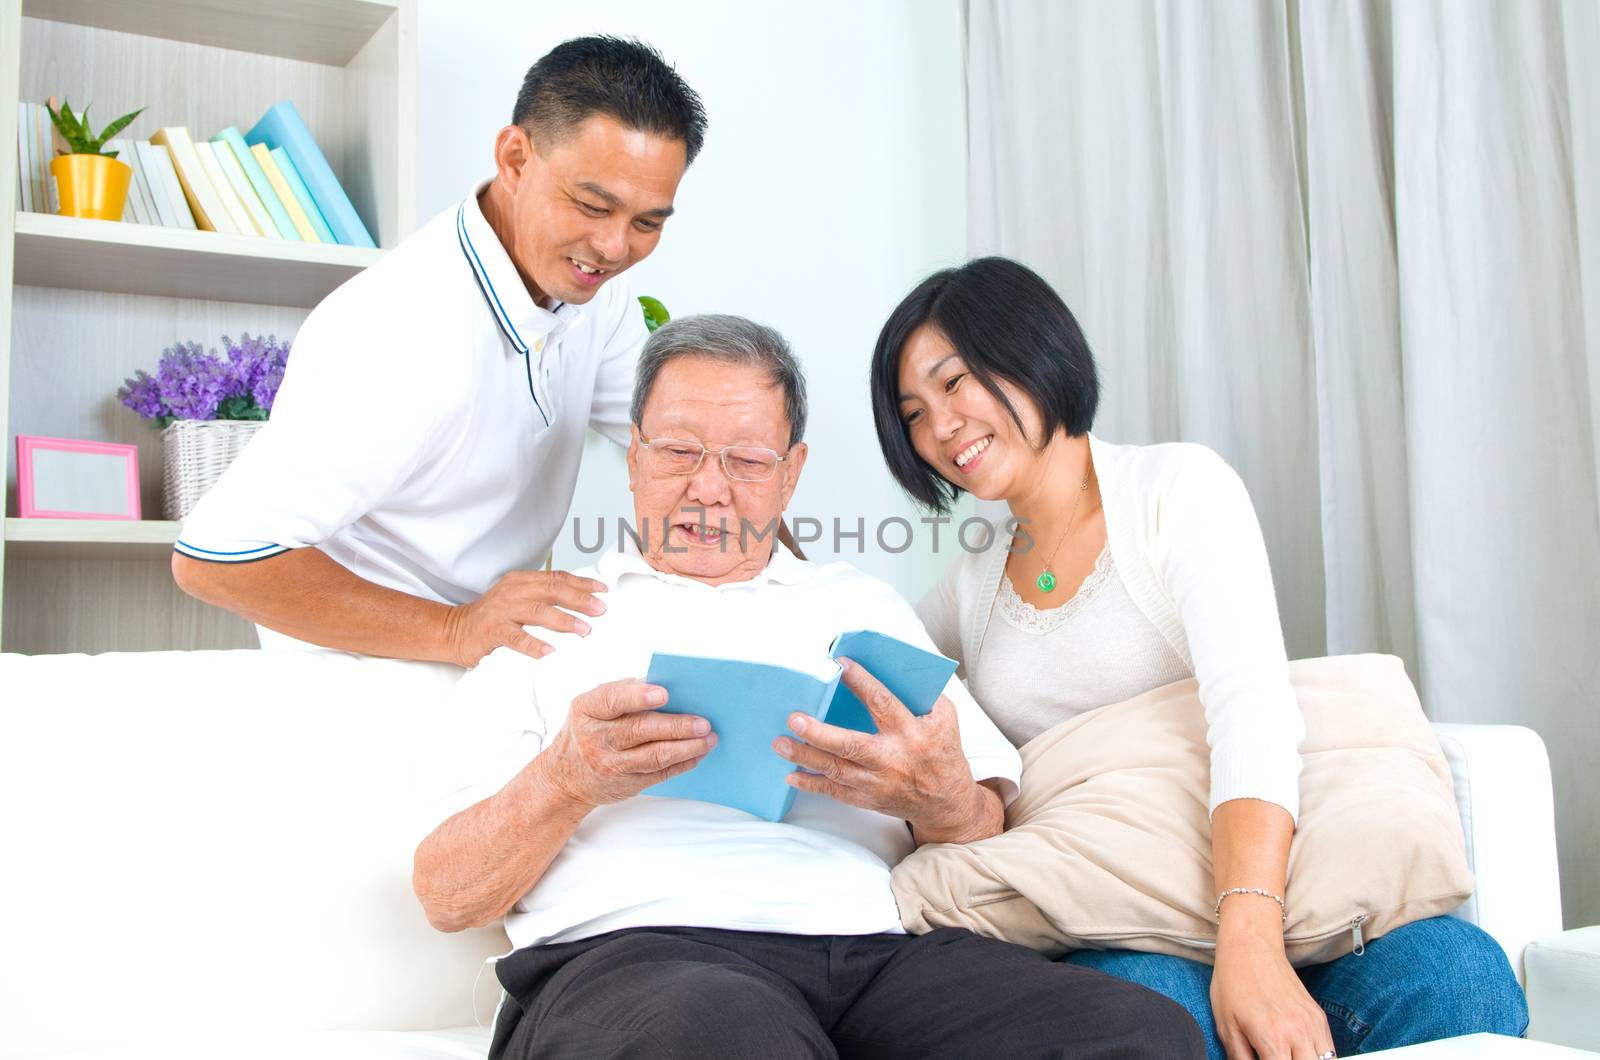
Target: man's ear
633 459
791 470
512 149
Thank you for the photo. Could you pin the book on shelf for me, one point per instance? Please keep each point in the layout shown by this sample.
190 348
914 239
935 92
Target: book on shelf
280 186
234 174
133 211
25 174
171 204
302 194
46 130
39 153
37 165
35 149
257 176
273 182
219 182
282 128
139 186
209 213
748 705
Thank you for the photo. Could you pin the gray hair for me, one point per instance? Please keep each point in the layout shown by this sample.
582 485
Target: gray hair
731 340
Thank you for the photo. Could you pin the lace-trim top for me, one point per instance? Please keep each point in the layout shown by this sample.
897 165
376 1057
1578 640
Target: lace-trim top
1043 666
1029 619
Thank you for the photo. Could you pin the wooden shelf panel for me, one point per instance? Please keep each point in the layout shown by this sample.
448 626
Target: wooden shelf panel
85 255
90 538
318 31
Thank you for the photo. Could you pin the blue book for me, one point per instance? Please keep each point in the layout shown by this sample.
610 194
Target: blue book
748 705
281 127
302 195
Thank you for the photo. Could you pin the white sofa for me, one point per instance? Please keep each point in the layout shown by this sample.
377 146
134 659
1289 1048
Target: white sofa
208 854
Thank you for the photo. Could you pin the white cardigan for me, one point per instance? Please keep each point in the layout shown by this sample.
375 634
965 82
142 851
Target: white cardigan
1186 544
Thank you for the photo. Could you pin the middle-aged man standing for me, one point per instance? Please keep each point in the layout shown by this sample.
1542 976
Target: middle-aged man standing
659 927
424 446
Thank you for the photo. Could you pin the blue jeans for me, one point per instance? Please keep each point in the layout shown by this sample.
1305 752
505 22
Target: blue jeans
1430 979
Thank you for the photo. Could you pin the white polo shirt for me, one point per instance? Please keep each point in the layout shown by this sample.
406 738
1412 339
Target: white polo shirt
429 428
647 861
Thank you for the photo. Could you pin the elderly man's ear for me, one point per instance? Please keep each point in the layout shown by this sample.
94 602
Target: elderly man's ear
633 459
791 471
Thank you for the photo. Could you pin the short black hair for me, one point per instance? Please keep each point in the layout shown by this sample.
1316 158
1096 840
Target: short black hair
622 79
1007 323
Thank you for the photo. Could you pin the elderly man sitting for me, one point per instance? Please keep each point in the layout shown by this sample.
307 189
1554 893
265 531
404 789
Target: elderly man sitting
668 927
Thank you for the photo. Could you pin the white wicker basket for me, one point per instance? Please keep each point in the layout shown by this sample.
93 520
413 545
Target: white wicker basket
194 454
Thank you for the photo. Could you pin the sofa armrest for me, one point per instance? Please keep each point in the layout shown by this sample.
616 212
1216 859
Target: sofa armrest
1502 778
1564 988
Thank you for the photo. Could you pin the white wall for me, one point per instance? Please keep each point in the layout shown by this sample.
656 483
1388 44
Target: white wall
833 178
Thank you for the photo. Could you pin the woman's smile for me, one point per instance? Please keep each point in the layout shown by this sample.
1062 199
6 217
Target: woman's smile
970 456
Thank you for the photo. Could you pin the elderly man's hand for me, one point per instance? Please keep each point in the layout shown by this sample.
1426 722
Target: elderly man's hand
913 768
615 744
520 598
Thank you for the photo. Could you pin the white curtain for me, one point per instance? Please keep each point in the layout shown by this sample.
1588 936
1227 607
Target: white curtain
1355 247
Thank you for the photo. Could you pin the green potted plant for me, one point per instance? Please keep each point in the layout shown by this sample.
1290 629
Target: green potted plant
655 314
91 182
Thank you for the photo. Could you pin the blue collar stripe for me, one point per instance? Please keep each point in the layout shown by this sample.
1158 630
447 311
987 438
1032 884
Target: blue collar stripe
483 281
527 364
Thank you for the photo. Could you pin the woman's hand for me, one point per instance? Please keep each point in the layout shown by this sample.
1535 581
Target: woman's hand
1261 1007
913 768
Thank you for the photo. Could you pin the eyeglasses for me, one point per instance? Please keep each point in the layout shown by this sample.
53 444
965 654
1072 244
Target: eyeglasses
742 463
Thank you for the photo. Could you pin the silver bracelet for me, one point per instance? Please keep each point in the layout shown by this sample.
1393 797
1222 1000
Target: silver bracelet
1217 912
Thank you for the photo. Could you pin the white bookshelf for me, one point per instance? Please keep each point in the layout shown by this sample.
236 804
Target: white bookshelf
86 303
331 32
79 254
90 538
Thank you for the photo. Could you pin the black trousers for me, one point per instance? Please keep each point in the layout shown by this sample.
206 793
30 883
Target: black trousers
708 994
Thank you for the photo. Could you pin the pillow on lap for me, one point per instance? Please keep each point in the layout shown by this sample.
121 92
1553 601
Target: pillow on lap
1109 844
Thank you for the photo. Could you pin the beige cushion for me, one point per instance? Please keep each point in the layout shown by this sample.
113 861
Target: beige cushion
1109 844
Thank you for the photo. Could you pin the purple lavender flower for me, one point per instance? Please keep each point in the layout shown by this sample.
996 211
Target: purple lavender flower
265 391
142 394
244 357
259 365
192 383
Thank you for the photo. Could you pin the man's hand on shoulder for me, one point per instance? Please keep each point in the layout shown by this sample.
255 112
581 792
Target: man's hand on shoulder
615 744
521 598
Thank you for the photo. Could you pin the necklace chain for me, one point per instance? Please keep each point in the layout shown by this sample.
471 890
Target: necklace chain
1047 580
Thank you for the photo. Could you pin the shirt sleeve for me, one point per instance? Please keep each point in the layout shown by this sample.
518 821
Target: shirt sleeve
350 423
1214 562
989 753
611 406
494 730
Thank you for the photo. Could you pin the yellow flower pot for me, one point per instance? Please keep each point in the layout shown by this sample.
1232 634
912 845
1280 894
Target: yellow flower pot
91 185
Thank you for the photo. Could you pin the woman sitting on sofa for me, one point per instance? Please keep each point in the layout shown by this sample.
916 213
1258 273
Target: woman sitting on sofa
1141 566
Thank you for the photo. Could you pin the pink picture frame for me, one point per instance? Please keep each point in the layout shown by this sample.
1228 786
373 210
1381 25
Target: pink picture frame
66 478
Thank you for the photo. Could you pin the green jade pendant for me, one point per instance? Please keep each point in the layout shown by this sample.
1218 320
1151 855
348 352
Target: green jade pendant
1046 582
